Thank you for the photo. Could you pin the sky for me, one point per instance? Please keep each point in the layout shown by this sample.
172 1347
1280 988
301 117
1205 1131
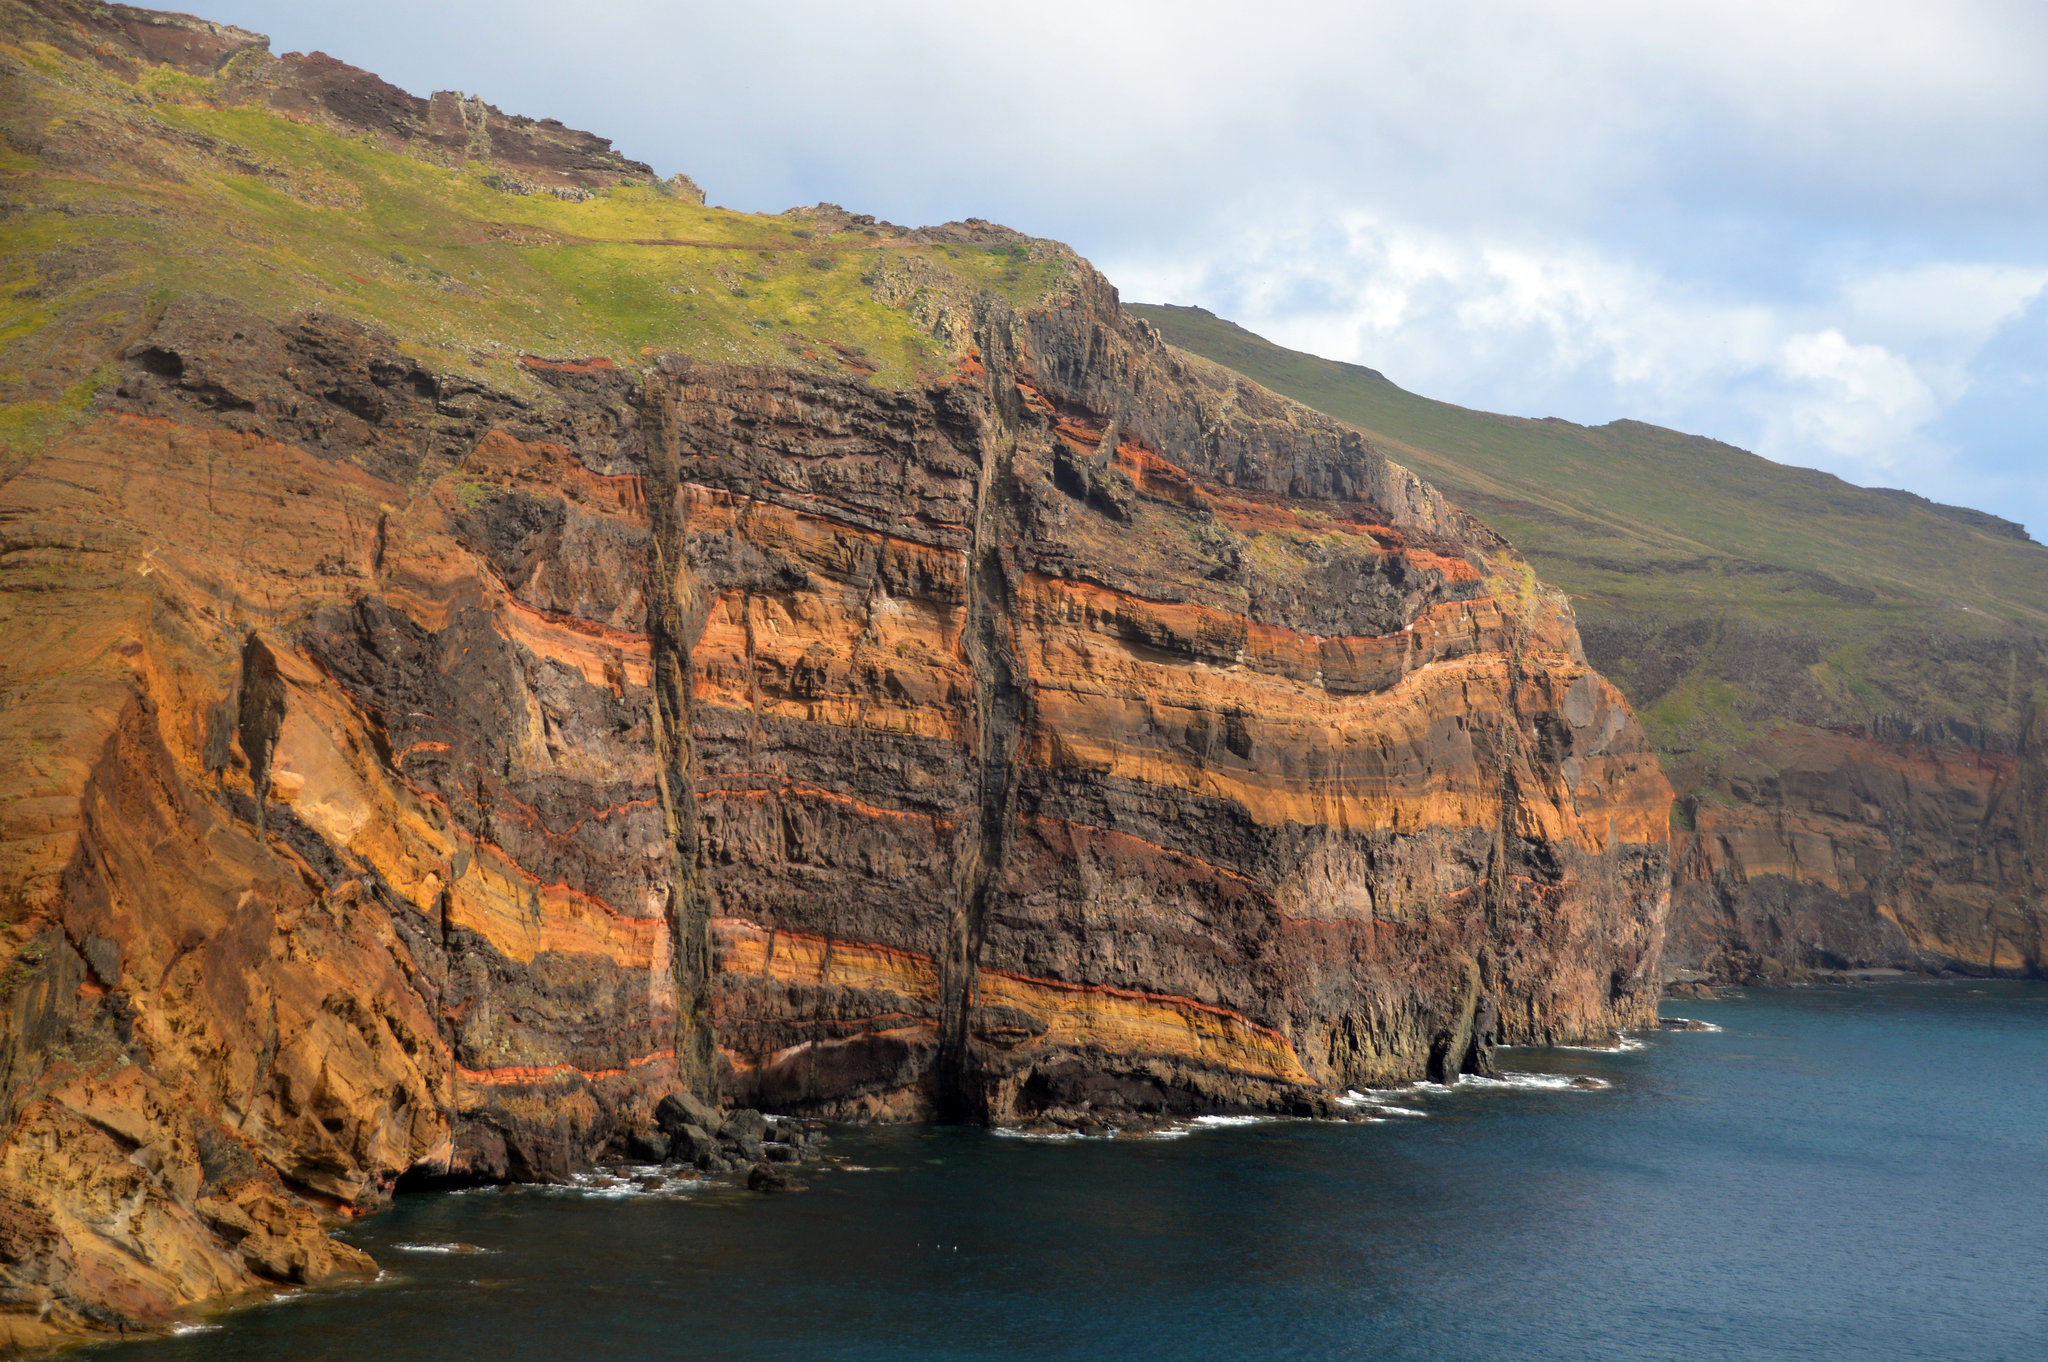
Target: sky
1812 229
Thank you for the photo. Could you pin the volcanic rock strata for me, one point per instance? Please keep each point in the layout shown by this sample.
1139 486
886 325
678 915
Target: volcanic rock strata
1831 849
824 747
416 780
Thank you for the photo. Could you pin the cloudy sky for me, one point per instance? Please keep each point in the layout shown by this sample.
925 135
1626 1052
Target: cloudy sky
1810 228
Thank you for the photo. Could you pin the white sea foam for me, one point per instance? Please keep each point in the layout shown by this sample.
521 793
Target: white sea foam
627 1183
1181 1132
439 1248
1374 1103
1048 1136
183 1329
1178 1131
1545 1082
1693 1024
1624 1043
1374 1106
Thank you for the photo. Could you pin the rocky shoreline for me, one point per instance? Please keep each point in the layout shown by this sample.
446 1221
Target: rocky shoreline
1770 972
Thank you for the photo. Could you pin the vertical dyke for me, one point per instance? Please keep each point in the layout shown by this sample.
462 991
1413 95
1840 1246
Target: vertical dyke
1001 715
259 719
1467 1047
674 621
2032 822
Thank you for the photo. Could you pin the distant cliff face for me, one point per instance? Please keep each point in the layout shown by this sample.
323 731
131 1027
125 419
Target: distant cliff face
427 767
1823 849
1895 824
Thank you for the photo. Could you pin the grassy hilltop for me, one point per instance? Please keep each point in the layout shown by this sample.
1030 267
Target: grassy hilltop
1725 593
127 183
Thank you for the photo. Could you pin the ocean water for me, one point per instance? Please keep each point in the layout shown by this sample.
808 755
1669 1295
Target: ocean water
1850 1172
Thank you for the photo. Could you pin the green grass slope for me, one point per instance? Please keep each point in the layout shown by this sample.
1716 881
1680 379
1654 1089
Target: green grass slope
125 182
1724 592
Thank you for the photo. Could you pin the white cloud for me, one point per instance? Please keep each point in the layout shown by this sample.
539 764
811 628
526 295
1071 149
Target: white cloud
1854 404
1943 310
1849 380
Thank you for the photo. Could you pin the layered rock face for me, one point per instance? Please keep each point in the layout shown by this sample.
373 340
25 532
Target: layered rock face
416 778
1833 850
1087 719
836 751
1829 841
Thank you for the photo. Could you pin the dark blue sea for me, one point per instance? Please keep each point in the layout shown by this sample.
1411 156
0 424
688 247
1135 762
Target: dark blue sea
1838 1172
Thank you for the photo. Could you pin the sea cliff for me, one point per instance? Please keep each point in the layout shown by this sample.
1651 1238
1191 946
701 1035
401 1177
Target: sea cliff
491 643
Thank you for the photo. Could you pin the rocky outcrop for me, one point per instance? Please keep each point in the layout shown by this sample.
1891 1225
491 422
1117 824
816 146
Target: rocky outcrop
418 777
527 155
